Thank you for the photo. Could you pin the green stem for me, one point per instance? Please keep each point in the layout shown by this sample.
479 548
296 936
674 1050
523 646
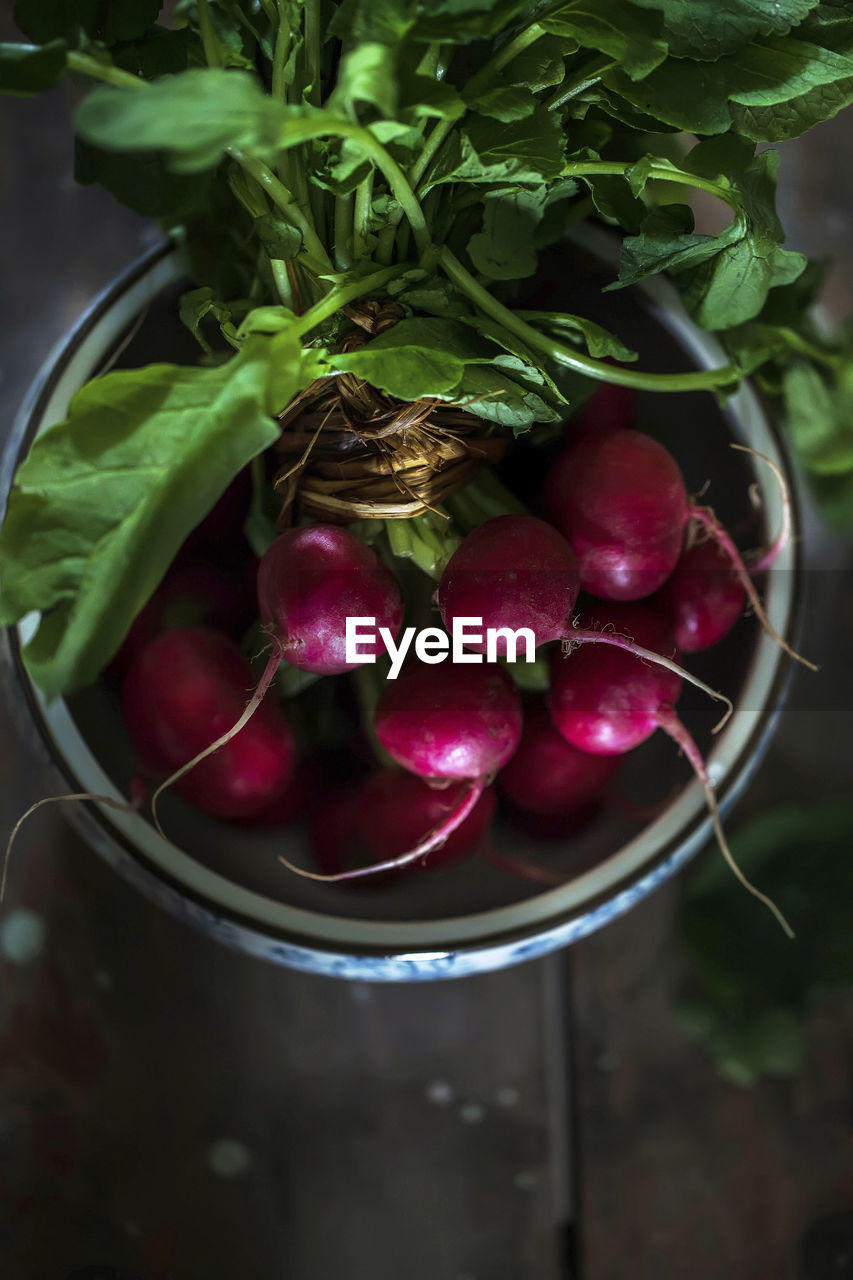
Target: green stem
701 380
313 48
343 294
618 168
303 131
361 217
343 231
212 54
831 360
280 197
281 52
504 56
282 282
88 66
584 78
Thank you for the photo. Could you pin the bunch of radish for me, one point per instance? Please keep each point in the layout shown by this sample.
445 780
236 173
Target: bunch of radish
619 576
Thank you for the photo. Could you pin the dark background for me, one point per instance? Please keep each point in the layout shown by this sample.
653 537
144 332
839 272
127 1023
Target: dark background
170 1110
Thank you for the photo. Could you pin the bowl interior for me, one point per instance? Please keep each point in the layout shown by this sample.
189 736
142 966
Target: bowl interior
235 869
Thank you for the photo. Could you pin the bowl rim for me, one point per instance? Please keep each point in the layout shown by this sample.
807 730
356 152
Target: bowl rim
408 957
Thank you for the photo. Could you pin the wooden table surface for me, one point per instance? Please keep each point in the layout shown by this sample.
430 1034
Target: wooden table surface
173 1111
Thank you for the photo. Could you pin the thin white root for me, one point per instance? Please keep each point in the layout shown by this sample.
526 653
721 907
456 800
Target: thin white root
670 722
433 840
125 806
783 537
707 517
581 636
249 710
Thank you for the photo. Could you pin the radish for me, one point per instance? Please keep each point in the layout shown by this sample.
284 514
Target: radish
513 571
702 598
619 498
309 581
549 776
194 592
445 724
384 815
606 701
185 689
609 408
516 572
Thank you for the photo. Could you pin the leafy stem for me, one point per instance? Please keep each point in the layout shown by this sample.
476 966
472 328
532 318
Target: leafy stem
619 168
343 294
210 44
313 47
373 150
703 380
281 52
361 216
86 65
280 197
584 78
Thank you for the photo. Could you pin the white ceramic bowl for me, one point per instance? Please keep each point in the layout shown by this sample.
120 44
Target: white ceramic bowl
449 922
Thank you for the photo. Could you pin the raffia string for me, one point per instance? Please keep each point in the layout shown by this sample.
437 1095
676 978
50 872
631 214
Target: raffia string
349 452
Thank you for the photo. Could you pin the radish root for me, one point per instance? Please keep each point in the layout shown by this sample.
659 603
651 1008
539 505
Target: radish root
251 707
581 635
125 806
706 517
432 841
671 724
783 537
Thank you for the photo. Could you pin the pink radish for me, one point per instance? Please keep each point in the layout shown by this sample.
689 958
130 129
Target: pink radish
386 814
547 775
702 598
185 689
620 500
607 702
512 571
194 592
310 580
516 572
609 408
446 724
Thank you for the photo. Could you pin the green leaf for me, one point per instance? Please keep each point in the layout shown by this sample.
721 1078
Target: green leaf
752 987
707 29
506 102
724 279
105 499
144 182
422 97
279 238
542 65
158 53
491 394
454 21
527 151
504 249
367 74
772 89
107 21
417 357
615 27
598 341
820 417
192 117
27 69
